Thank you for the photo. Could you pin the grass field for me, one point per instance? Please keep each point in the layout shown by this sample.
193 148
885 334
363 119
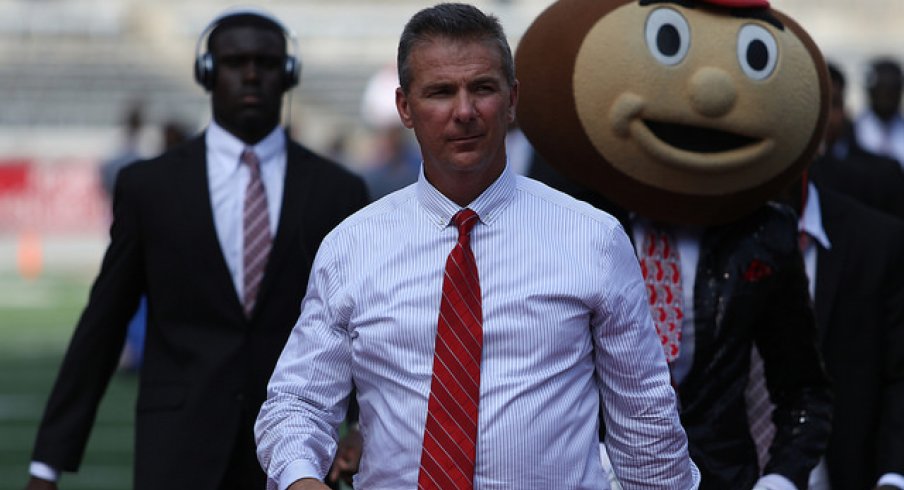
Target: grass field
36 321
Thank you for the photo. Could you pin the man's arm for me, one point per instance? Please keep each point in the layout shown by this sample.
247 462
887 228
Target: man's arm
307 397
308 484
890 452
645 440
93 352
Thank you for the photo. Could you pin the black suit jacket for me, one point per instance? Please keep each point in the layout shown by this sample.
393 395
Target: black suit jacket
869 178
860 312
205 366
751 288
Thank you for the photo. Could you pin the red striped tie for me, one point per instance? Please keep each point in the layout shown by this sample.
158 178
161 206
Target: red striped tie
255 232
450 435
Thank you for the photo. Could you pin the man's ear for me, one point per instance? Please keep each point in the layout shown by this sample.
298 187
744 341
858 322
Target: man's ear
513 101
401 101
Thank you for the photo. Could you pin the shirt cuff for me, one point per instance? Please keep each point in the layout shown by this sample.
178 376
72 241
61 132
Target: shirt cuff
893 479
774 481
43 471
296 470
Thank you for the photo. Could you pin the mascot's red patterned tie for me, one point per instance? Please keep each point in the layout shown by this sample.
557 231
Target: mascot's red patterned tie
450 435
255 232
661 267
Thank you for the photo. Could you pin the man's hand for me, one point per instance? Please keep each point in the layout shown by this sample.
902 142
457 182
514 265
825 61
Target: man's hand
348 456
39 484
308 484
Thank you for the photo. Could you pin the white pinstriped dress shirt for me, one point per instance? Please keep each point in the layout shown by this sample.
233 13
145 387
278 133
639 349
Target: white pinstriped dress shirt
566 323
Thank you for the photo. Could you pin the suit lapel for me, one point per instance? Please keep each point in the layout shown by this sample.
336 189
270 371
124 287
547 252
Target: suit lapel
195 194
297 191
829 262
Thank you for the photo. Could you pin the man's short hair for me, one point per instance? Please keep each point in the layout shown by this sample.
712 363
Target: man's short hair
887 66
244 20
456 21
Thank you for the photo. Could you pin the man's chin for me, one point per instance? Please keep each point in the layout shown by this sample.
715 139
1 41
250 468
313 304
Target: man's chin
255 122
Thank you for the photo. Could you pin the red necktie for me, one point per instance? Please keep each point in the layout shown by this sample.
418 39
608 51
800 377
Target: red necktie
661 268
450 434
255 232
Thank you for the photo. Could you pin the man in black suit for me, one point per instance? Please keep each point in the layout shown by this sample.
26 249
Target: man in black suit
846 167
854 252
223 291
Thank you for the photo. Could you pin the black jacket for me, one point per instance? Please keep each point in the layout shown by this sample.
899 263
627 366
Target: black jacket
860 313
751 288
206 366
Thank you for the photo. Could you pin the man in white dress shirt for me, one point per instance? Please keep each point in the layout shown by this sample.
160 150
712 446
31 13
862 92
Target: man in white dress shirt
881 128
561 304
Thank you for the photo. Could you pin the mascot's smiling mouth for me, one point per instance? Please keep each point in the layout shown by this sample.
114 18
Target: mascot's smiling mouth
697 139
683 146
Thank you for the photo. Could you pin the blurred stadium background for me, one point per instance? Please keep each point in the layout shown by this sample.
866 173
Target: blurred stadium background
70 68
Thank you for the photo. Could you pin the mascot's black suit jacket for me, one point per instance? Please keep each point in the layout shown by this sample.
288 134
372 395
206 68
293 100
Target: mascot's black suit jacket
205 365
750 286
860 312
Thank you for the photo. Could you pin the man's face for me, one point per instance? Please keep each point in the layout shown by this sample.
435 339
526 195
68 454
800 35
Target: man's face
837 117
885 95
459 105
247 93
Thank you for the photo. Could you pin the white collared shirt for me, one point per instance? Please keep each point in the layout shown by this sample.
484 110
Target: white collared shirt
227 179
562 299
879 137
810 222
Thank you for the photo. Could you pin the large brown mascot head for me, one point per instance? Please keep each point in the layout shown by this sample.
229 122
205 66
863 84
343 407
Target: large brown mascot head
685 111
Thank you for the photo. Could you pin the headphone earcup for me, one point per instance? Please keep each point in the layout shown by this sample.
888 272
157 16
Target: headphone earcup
292 72
204 71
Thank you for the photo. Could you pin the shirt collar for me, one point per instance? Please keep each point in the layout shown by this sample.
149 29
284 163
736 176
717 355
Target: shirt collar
227 149
811 220
488 205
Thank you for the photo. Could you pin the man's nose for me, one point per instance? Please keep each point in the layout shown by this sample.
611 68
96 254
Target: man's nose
465 108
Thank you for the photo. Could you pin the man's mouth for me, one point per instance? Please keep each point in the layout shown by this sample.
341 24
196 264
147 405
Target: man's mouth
251 99
466 139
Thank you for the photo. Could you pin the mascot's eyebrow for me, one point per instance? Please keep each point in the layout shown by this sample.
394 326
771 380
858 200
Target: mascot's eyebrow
752 13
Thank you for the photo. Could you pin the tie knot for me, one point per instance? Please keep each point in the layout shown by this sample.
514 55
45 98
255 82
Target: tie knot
250 158
465 220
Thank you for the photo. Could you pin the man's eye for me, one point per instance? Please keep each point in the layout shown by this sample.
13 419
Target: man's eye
230 61
270 63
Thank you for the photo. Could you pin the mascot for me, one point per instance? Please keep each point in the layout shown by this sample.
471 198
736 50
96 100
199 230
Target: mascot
689 116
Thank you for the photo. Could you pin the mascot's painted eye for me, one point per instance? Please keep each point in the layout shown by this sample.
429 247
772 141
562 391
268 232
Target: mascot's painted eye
757 51
668 36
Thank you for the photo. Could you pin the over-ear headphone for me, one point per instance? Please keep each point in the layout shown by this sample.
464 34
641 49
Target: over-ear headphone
205 66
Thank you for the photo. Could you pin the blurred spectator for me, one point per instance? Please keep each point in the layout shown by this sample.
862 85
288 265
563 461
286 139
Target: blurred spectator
128 152
881 128
848 168
519 150
392 161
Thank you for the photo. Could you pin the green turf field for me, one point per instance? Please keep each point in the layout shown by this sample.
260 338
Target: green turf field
36 320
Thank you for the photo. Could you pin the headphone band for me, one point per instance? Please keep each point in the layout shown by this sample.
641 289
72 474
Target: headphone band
204 62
